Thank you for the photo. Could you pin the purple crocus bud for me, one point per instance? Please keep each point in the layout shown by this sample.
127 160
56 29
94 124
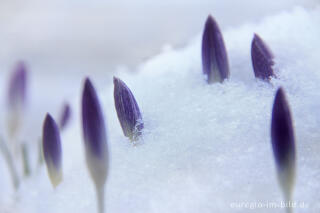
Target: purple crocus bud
262 59
127 110
17 87
95 140
16 98
283 143
65 116
51 146
214 55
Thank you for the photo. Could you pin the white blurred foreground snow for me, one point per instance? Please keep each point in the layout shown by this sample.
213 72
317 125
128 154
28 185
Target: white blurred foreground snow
205 148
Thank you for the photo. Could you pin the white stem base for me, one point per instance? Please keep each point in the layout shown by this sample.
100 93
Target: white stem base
100 198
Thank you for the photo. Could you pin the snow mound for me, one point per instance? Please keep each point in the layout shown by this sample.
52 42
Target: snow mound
205 148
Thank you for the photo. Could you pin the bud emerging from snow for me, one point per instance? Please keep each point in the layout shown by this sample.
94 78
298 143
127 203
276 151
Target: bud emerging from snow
127 110
262 59
214 55
52 150
17 87
65 116
16 97
94 130
95 140
283 143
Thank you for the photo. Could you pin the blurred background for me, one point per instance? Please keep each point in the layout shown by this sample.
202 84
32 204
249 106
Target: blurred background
62 41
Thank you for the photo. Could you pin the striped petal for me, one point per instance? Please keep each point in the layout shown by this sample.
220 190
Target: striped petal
51 144
127 110
214 55
262 59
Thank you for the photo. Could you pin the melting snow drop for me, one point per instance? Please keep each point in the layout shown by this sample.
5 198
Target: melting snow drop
235 144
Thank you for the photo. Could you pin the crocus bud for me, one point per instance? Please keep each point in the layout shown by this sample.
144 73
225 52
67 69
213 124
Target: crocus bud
17 87
283 143
95 140
51 145
127 110
16 97
262 59
65 116
214 55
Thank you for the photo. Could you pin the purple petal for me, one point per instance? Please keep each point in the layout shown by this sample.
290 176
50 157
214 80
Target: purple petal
52 149
17 87
282 131
262 59
127 110
94 133
65 116
93 123
283 143
214 55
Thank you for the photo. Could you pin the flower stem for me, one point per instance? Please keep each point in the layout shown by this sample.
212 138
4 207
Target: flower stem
40 153
100 198
25 160
8 157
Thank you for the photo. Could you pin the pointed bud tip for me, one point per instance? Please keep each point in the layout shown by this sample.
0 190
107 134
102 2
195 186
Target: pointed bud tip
214 54
262 58
210 19
283 143
21 68
20 72
128 111
115 80
94 134
87 82
17 86
93 121
211 25
282 132
48 118
65 115
89 92
118 82
52 149
280 96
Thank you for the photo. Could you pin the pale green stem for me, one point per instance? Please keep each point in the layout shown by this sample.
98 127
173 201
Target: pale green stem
25 159
100 198
40 153
288 196
8 156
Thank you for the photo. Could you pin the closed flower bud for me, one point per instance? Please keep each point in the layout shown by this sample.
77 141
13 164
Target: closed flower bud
127 110
283 143
214 55
16 98
52 150
262 59
95 140
17 87
65 116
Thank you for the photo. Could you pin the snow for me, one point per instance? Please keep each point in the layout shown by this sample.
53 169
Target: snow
204 147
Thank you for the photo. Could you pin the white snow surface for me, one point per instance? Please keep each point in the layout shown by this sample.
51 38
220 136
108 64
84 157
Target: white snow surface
204 146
